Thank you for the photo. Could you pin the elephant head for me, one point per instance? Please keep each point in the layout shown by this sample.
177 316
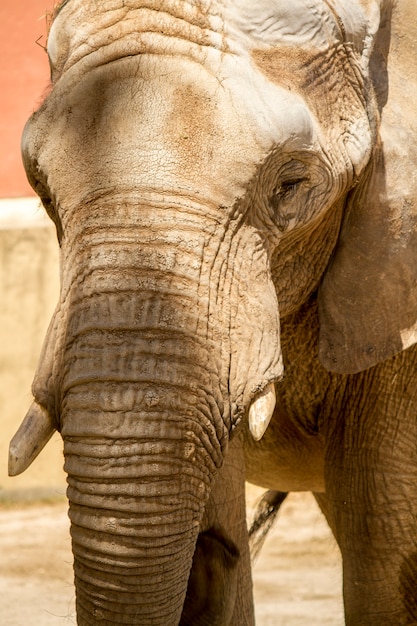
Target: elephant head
208 166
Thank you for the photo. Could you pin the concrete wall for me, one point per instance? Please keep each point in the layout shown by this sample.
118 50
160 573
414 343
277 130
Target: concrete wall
29 282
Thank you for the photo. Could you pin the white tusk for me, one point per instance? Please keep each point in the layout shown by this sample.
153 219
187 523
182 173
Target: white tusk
34 433
261 411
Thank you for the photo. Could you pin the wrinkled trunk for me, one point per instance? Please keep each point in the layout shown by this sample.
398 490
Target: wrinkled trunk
135 508
140 455
139 458
142 376
142 434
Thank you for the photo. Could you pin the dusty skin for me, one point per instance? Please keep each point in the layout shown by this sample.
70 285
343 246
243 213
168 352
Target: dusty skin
297 578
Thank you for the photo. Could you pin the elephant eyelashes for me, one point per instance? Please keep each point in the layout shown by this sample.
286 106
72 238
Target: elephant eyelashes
287 187
283 193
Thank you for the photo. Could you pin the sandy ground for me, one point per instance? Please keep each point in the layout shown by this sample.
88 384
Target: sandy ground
297 577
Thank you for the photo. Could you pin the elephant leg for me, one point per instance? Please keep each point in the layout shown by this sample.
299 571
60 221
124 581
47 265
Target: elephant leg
220 586
371 495
212 586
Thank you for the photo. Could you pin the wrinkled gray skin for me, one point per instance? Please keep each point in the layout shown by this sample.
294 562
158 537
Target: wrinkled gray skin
234 189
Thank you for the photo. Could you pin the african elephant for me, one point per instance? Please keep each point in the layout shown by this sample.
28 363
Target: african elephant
234 186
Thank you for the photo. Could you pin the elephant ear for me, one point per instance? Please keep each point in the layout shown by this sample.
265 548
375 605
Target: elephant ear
368 297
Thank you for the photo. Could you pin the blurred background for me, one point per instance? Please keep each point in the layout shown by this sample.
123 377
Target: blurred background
28 248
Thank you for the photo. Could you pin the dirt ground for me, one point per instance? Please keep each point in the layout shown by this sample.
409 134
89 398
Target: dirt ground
297 577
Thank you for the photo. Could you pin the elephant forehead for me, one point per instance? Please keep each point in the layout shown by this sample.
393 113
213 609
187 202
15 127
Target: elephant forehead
113 29
299 22
166 123
310 23
82 28
240 109
206 33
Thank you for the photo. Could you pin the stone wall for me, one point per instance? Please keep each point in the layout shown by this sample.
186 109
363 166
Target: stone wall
29 283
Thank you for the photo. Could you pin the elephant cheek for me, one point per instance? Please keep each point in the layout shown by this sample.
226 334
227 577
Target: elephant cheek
256 357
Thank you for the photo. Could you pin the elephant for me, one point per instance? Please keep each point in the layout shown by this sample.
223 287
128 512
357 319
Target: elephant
234 190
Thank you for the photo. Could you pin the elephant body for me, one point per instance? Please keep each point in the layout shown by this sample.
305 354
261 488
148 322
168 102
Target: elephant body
235 198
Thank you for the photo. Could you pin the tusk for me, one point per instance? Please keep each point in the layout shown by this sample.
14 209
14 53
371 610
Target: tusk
261 411
34 433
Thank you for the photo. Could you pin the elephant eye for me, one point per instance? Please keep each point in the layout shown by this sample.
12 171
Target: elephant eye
283 210
285 188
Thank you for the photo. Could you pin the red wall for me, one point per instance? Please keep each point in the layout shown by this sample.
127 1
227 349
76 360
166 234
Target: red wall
24 76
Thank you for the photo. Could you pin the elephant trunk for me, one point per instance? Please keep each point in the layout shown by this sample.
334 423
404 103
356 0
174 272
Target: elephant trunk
135 509
140 453
151 373
141 418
